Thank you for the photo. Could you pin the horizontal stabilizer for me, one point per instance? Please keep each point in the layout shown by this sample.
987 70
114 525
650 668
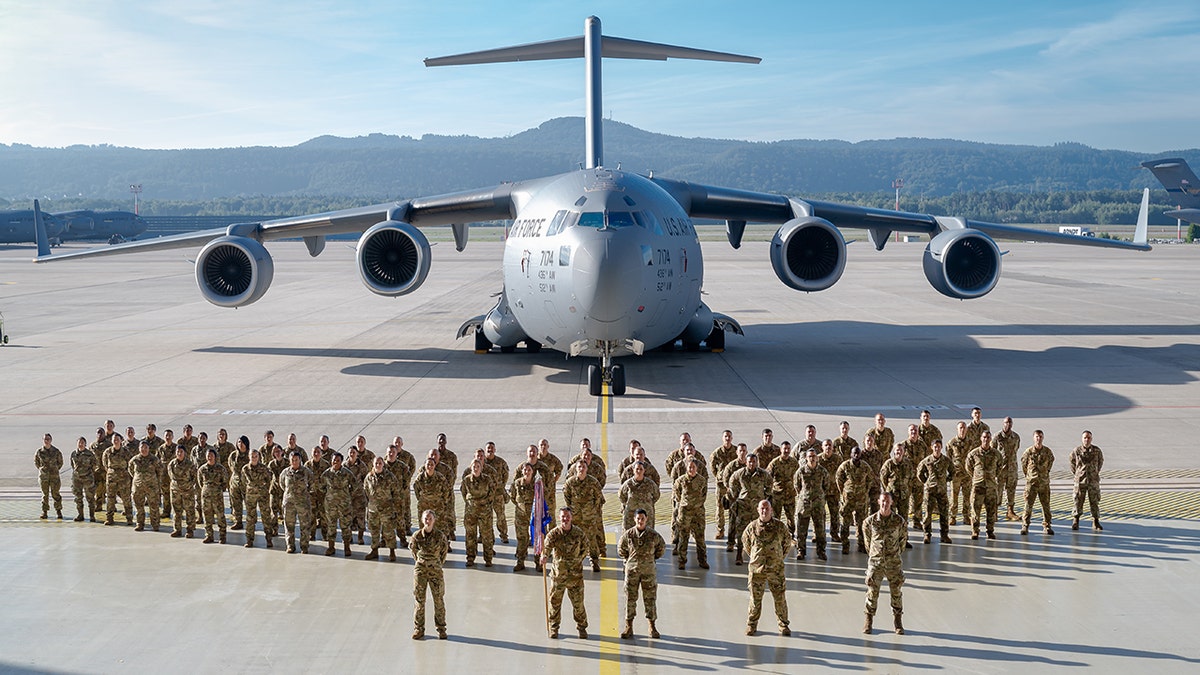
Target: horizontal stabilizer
1178 178
572 48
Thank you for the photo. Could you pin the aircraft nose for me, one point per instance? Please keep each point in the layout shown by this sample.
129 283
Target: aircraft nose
607 276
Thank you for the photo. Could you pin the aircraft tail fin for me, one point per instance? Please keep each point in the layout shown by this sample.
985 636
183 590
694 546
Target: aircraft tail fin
1178 178
1141 232
39 228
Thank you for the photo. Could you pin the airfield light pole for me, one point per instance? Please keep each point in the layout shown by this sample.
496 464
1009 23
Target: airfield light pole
136 189
896 185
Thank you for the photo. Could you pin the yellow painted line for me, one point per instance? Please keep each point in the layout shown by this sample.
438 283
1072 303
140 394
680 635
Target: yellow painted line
610 643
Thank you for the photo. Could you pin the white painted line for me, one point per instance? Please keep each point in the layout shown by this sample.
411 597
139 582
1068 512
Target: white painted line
576 411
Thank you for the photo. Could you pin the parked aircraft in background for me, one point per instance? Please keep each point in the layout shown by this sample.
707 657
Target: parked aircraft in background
599 262
1181 184
17 227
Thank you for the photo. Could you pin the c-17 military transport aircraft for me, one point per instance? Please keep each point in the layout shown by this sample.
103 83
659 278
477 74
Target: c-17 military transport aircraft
599 262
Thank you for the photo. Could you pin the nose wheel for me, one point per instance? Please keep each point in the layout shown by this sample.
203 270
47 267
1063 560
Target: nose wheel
613 374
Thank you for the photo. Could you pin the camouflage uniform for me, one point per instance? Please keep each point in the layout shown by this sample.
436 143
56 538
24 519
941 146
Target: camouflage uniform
636 495
49 462
874 459
213 480
145 473
566 548
885 440
318 469
165 453
958 450
500 472
117 480
358 499
1085 465
83 481
854 483
200 458
256 481
596 468
410 463
182 474
809 483
929 433
718 460
690 493
479 500
914 453
584 496
651 474
746 489
831 463
338 486
885 543
898 478
767 545
1036 464
639 549
934 472
555 466
783 490
1009 443
984 467
296 485
429 551
843 445
430 492
975 433
98 448
382 494
235 462
765 453
277 467
520 493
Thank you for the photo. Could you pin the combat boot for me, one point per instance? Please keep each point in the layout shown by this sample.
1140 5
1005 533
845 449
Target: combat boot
703 563
821 553
373 555
92 515
596 563
928 538
520 566
682 563
899 624
249 540
45 514
175 534
360 537
739 558
208 538
750 628
329 549
222 536
290 549
1095 523
1012 515
653 631
845 547
991 534
801 553
154 526
347 548
79 517
237 525
627 632
553 633
109 520
271 544
392 556
582 633
418 633
785 631
867 623
141 527
945 538
59 512
442 633
1049 530
1024 529
720 534
190 534
1074 523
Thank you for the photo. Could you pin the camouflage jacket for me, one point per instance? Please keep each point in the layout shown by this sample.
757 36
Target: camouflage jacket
640 548
1036 464
885 538
767 544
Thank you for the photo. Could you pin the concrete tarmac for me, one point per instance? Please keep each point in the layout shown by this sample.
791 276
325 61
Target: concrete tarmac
1070 339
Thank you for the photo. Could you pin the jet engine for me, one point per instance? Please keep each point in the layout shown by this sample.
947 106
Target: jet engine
963 264
808 254
234 271
393 258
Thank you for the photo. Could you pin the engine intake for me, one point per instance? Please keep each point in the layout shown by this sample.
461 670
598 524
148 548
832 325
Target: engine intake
234 271
962 264
393 258
808 254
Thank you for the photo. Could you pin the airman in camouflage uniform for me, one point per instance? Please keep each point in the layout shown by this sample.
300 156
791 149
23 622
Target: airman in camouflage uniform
747 487
768 542
448 517
296 484
277 464
886 531
915 451
478 492
810 441
182 474
690 492
145 472
830 460
718 460
235 462
189 443
381 489
854 479
874 456
639 455
257 479
83 479
520 493
407 458
958 449
164 450
556 469
596 468
49 460
934 472
582 493
638 492
1036 462
767 450
809 482
738 462
318 464
117 480
429 548
267 450
676 456
199 458
927 430
402 470
984 464
1009 443
1085 461
500 469
102 443
975 428
884 438
358 466
338 483
783 491
566 545
897 477
213 478
640 546
429 487
844 443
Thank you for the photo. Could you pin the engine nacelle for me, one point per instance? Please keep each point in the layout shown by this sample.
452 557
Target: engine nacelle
234 271
393 258
963 264
808 254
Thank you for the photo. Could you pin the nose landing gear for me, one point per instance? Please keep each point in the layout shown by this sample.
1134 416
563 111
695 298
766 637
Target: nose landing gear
608 372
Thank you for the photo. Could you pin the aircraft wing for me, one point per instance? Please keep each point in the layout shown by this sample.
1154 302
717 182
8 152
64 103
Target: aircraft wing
737 207
449 209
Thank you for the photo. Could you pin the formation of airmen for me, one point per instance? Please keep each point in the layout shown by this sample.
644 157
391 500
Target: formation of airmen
832 484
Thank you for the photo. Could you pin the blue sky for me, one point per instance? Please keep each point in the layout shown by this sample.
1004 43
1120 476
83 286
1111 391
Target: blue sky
195 73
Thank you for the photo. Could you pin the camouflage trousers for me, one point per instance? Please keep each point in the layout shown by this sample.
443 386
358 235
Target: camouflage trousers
478 522
984 497
258 503
145 497
591 525
831 504
382 524
164 491
854 510
895 578
276 511
646 582
815 514
213 507
785 506
1039 491
84 488
318 516
521 517
358 513
404 522
722 491
758 582
237 499
298 514
183 502
119 489
51 487
935 500
1091 491
500 519
961 485
431 579
337 512
901 500
916 504
690 525
1009 485
740 516
572 585
100 490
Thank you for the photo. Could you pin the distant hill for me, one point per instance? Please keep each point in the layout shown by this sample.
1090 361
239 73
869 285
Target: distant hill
381 166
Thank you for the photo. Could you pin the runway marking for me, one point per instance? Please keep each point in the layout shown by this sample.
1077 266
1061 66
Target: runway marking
610 643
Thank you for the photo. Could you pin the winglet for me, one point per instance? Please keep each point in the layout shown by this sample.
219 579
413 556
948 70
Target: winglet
39 227
1141 232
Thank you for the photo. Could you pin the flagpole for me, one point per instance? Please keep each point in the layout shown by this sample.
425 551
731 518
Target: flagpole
546 597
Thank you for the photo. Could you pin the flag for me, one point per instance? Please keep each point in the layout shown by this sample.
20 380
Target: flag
539 518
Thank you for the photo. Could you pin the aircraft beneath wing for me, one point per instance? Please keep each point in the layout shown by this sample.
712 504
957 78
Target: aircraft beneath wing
599 262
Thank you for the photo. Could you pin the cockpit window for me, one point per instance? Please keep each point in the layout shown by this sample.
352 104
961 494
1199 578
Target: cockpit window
593 219
620 219
557 223
647 220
